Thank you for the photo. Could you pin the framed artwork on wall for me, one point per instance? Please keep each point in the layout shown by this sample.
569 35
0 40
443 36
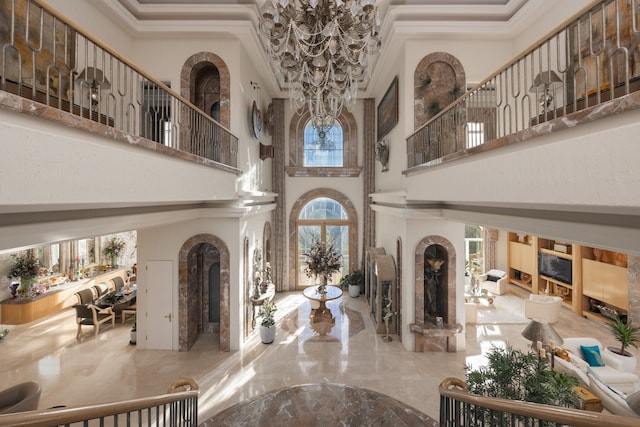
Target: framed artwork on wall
388 109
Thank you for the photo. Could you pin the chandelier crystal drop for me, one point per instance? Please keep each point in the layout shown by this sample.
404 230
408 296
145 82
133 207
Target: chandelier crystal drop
320 50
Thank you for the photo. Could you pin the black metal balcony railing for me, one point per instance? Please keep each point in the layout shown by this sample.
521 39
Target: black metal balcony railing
178 407
459 408
46 59
590 59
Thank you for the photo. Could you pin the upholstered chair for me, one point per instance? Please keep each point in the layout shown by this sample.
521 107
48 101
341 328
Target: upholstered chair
494 281
546 307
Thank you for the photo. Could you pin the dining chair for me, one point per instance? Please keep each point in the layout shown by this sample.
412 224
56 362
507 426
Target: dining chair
85 296
118 282
100 289
91 315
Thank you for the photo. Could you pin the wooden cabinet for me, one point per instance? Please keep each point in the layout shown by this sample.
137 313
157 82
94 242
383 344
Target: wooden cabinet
581 275
19 311
522 262
606 283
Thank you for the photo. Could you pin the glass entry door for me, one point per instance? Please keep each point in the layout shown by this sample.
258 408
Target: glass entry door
322 219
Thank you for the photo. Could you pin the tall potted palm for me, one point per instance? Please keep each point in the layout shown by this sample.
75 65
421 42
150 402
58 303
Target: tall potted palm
628 335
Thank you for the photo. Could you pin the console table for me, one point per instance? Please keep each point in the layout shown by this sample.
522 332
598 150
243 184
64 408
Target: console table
17 311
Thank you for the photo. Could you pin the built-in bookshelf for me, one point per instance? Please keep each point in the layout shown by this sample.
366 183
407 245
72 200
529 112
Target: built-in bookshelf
591 281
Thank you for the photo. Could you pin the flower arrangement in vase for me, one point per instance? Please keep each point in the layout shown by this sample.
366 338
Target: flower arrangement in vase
113 248
27 267
322 260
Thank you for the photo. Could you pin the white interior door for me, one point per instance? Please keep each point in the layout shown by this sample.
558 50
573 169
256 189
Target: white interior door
159 297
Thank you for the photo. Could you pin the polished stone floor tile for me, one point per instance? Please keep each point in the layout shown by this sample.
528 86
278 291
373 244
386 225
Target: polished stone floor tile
106 369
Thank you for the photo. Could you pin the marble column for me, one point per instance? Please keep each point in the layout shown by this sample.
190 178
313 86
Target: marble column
369 174
278 181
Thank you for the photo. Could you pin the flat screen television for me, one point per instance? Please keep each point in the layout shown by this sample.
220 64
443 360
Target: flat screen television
555 267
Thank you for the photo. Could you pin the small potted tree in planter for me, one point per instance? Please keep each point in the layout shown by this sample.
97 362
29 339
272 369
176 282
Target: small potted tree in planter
134 332
267 322
628 335
352 282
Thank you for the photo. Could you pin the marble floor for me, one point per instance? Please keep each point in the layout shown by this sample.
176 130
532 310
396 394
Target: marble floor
107 368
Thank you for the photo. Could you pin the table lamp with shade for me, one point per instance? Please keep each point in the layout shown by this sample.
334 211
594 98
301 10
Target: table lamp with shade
546 83
543 337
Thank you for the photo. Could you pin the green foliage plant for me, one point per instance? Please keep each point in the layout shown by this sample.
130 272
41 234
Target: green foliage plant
114 247
626 333
355 278
516 375
267 313
25 265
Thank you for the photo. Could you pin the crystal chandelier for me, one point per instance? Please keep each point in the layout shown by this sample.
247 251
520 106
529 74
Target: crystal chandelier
320 50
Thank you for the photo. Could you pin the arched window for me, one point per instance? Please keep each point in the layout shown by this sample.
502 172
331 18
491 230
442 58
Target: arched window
323 144
323 215
330 149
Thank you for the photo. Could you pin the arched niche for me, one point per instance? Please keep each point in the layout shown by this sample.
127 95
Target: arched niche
439 79
205 81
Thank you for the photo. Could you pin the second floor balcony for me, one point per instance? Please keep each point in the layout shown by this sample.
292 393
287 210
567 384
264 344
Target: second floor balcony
46 59
586 69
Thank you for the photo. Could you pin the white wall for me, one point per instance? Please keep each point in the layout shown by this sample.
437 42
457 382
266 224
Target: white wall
92 21
553 13
164 244
411 231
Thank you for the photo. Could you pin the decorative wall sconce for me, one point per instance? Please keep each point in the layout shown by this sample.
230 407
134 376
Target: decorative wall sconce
382 154
266 151
97 81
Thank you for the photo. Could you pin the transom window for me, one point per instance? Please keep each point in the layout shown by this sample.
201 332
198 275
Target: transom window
323 144
323 149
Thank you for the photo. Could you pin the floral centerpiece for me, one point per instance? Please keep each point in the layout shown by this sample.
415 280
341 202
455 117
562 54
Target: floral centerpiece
26 267
322 260
113 248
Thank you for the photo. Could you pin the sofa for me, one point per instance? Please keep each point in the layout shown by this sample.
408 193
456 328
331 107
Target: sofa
609 382
546 307
494 281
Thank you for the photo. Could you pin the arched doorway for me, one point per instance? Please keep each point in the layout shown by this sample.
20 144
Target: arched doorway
205 81
327 215
203 291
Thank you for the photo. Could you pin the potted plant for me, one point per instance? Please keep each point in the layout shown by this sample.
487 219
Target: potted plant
352 282
26 267
113 249
134 333
628 335
516 375
267 322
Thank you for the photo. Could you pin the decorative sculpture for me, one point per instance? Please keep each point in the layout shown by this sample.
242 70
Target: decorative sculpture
388 315
382 154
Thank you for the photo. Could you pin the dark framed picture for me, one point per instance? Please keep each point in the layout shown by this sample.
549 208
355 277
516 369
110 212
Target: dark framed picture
388 109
